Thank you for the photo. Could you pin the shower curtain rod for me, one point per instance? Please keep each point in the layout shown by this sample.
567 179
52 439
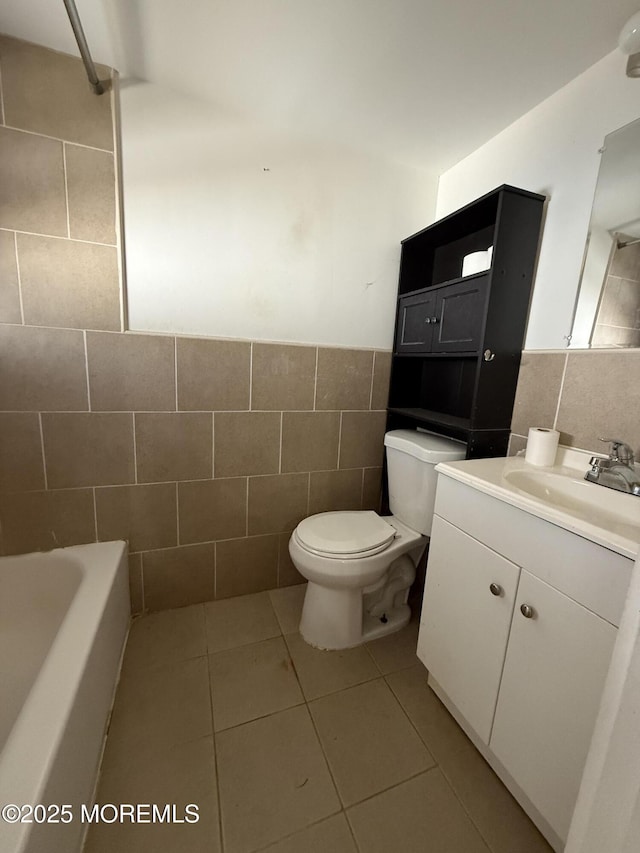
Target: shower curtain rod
90 68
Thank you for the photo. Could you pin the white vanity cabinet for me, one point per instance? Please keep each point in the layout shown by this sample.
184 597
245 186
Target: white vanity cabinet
469 596
553 677
517 640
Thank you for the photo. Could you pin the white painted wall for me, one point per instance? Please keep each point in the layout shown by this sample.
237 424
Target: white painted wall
553 150
234 231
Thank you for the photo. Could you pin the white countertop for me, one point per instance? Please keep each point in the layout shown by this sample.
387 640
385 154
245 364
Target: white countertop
559 495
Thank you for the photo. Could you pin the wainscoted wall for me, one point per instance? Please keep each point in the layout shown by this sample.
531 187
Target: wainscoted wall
204 454
585 394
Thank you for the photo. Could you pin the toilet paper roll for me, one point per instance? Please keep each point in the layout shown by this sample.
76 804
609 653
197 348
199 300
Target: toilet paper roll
542 445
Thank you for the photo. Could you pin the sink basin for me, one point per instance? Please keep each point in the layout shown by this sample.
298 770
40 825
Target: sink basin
567 491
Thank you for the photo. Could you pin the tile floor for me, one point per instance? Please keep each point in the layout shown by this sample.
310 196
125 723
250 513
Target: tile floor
288 749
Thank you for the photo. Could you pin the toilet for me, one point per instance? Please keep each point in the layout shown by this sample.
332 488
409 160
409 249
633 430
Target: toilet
359 565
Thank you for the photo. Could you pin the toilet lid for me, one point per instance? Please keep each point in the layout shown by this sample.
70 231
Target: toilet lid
345 533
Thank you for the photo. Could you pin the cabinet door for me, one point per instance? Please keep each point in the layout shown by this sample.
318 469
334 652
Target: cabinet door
549 697
415 323
464 626
460 316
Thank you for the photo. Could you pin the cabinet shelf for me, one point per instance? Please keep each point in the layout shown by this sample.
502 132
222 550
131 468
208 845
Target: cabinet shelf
438 419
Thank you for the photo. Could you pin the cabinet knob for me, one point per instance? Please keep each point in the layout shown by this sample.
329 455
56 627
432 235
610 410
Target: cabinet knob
434 319
488 355
527 611
495 589
428 320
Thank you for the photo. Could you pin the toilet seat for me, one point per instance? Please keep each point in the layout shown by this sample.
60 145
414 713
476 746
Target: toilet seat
344 535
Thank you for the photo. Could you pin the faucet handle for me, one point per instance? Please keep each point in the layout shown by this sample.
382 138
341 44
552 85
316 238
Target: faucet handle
620 451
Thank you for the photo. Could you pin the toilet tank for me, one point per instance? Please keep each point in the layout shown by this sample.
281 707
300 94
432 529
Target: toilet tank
411 460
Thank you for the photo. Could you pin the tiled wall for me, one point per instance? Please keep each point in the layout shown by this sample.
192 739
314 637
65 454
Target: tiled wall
585 394
618 320
203 453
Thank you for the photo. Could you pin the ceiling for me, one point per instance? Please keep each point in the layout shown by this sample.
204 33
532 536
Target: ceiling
423 82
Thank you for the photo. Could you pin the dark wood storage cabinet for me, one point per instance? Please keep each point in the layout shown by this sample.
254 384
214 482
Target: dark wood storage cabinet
458 339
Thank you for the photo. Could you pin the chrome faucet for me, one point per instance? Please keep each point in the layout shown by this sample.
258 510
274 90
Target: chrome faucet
617 471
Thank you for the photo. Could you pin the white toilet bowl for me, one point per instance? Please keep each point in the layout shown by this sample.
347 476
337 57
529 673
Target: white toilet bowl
335 615
360 566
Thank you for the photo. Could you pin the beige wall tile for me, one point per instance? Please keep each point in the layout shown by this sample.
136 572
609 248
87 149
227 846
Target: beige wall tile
178 576
9 289
212 509
136 593
246 565
42 369
21 465
277 503
246 443
538 390
362 439
40 521
70 284
47 92
372 489
344 378
381 379
173 446
91 188
88 449
32 194
143 515
600 399
330 491
213 375
131 372
288 575
516 444
283 377
310 441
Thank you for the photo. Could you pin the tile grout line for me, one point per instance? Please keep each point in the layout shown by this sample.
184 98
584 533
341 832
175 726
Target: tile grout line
135 451
280 456
142 583
15 243
215 745
2 115
44 460
250 377
373 373
75 240
175 370
178 543
86 368
564 373
57 138
213 445
339 441
66 188
95 512
315 382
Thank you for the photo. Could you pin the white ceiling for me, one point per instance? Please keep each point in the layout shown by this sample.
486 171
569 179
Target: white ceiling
424 82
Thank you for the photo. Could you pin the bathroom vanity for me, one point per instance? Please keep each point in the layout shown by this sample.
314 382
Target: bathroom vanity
527 576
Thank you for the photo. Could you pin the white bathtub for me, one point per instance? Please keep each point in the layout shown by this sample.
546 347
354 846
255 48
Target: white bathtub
64 618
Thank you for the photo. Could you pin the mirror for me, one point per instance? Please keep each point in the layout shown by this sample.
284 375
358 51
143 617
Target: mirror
607 312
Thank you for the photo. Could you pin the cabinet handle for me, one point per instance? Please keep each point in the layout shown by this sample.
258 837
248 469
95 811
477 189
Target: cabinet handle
434 319
495 589
488 355
527 611
428 320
